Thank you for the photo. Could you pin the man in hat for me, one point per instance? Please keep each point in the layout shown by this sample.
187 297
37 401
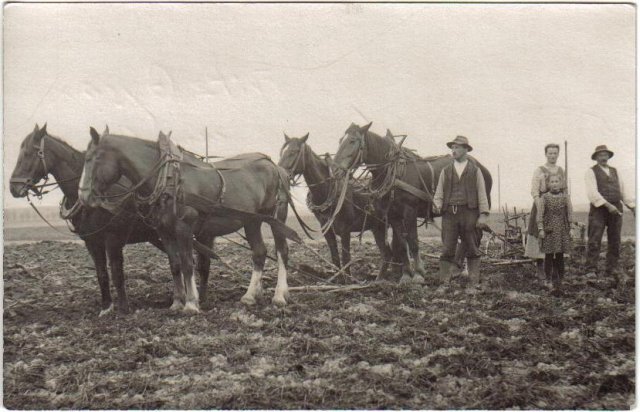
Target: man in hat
461 198
606 194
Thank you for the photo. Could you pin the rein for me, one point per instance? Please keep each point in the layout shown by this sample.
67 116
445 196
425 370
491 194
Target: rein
29 181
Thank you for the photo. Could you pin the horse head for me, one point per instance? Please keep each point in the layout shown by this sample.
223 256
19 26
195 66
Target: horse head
33 163
292 154
352 148
101 169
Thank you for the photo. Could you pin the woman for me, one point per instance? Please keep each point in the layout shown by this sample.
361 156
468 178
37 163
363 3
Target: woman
540 186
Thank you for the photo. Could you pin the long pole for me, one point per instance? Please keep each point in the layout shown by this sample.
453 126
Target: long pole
499 200
206 145
566 166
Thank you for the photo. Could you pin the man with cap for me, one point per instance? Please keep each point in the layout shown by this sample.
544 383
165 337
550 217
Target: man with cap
461 198
606 195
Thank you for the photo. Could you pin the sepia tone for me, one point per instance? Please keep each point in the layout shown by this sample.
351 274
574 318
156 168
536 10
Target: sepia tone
319 206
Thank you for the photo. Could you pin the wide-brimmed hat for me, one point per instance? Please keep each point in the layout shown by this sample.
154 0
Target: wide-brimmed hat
462 141
601 148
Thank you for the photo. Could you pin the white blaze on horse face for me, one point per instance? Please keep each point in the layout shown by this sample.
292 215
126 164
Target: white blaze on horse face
282 289
255 288
82 193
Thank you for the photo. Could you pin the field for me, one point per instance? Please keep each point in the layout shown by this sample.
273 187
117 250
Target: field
382 346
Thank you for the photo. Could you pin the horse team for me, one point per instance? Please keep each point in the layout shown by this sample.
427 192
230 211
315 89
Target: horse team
125 190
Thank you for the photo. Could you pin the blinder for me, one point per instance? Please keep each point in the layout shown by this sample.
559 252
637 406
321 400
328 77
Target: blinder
29 182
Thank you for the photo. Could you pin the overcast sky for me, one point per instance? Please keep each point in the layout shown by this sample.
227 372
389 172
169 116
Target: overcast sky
509 77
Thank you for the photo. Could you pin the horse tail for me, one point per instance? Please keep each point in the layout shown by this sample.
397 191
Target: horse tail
284 184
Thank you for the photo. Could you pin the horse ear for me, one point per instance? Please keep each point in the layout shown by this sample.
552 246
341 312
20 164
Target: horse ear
36 128
169 135
304 138
44 129
365 128
389 134
106 130
95 137
286 138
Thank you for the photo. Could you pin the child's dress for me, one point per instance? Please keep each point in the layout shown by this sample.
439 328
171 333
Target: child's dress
555 214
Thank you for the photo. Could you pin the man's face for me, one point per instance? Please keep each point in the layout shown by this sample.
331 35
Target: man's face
459 152
602 158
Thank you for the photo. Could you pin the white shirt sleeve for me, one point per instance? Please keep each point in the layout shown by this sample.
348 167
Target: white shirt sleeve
594 196
629 201
483 202
538 176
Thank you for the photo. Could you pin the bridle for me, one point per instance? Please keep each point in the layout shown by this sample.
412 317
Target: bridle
300 158
29 182
359 158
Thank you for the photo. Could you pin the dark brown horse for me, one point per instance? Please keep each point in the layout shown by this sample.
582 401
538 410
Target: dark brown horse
203 202
390 163
104 232
297 158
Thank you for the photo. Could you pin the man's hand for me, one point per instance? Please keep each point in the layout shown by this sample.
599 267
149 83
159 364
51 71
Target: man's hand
612 209
481 223
541 234
436 209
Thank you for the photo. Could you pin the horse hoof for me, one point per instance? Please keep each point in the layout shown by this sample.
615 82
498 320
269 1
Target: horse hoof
248 300
106 311
405 279
191 308
418 279
177 305
279 301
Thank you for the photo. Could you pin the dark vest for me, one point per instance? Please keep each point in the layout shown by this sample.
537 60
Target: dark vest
608 186
462 190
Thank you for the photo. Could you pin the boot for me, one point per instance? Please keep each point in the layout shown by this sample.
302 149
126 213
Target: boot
474 272
446 268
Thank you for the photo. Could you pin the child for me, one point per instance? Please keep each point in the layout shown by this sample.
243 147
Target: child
554 217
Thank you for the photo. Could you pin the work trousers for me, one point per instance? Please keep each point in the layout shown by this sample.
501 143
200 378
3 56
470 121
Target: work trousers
459 222
599 219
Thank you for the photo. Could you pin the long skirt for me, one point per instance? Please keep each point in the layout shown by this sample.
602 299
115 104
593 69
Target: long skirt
532 249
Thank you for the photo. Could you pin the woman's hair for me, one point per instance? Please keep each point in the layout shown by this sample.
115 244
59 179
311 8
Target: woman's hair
550 146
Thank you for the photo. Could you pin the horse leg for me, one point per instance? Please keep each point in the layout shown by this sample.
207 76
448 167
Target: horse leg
401 249
96 249
281 293
184 236
330 237
411 222
171 247
385 251
204 264
114 252
259 255
345 242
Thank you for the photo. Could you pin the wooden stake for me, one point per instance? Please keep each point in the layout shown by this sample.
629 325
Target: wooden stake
206 145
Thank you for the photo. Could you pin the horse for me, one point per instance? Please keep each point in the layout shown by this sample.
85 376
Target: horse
104 232
404 184
297 158
186 200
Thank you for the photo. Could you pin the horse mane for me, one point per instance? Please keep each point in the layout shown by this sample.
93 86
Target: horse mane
74 152
434 158
407 153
